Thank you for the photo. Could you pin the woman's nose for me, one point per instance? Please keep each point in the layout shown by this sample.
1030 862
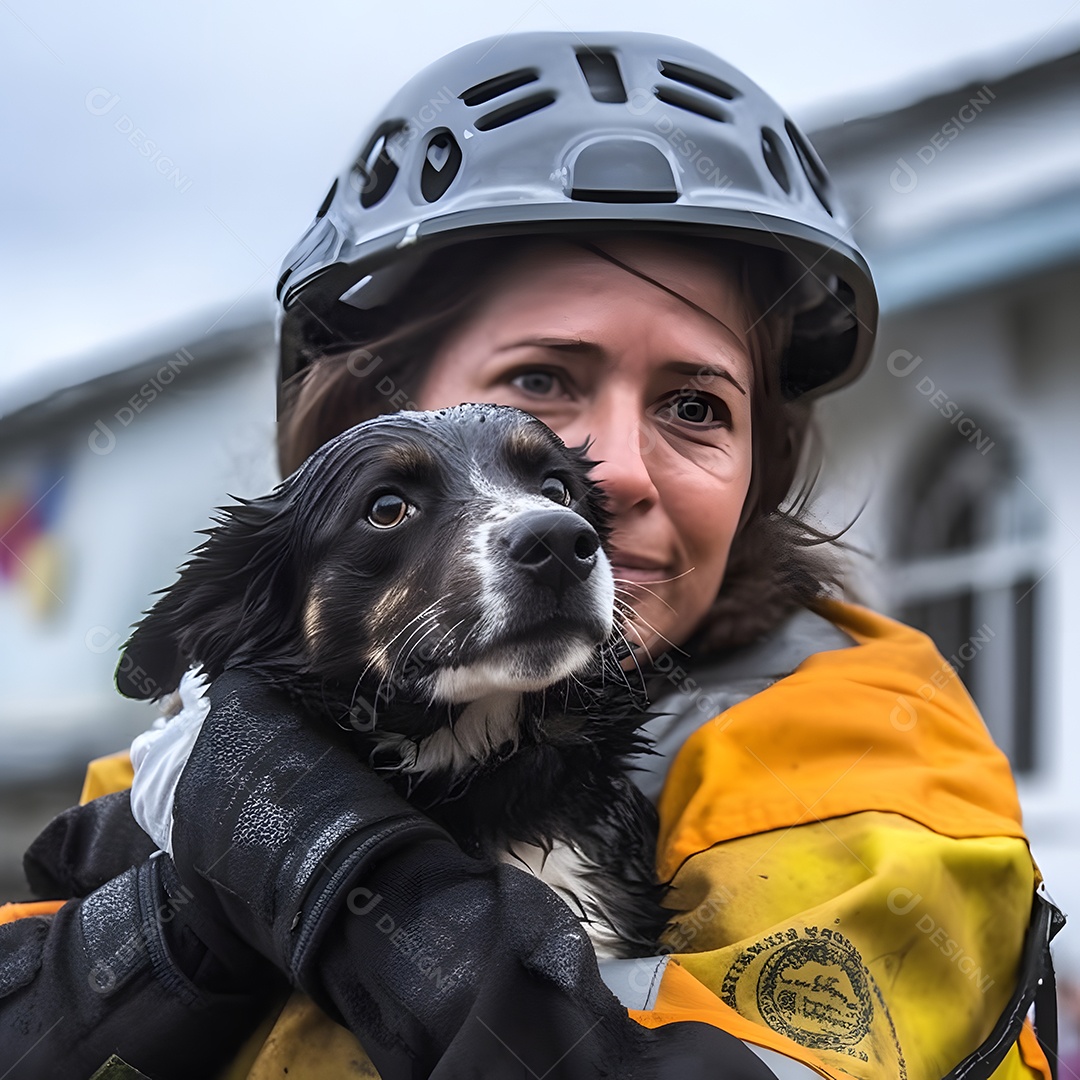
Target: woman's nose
623 445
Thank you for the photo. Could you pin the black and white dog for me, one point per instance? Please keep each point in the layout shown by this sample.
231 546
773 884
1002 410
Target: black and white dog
437 582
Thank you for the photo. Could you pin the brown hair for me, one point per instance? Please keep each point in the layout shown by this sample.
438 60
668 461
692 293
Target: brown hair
778 562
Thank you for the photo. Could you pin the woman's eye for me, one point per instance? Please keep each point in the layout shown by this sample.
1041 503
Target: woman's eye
538 382
699 410
387 511
554 489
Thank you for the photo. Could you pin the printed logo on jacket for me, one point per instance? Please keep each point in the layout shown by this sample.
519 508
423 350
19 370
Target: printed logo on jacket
810 984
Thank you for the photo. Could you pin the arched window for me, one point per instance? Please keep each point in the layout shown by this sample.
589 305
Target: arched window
969 555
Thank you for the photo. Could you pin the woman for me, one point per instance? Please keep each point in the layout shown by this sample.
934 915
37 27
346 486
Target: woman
846 846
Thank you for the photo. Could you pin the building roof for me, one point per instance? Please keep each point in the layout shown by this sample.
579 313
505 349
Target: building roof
966 187
215 335
1048 59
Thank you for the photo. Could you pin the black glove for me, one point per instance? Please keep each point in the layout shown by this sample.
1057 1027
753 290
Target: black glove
441 964
125 971
85 846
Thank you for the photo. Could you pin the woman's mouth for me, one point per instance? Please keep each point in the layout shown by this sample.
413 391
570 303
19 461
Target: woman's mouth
628 567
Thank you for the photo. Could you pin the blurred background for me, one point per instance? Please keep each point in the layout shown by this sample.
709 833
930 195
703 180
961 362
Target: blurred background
160 161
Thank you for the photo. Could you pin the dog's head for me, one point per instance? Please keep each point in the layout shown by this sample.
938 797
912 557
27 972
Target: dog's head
447 555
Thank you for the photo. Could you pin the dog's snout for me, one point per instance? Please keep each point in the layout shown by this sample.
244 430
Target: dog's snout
557 548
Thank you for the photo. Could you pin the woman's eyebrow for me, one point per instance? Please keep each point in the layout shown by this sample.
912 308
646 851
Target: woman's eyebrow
595 350
686 367
569 344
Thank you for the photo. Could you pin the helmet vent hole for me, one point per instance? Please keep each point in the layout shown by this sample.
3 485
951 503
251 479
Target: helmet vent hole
774 158
811 165
321 212
442 160
601 74
514 110
700 80
671 95
501 84
374 170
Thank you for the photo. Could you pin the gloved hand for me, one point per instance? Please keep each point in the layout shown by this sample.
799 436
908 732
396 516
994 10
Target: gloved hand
85 846
441 964
124 967
124 970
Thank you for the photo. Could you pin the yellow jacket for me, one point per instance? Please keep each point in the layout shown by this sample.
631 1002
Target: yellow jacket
852 876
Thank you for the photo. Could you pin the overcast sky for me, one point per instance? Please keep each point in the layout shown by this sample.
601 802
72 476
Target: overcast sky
260 104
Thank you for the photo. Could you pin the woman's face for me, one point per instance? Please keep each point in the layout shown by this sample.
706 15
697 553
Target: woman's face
662 389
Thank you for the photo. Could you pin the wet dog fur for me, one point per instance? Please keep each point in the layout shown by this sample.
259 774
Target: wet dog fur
435 585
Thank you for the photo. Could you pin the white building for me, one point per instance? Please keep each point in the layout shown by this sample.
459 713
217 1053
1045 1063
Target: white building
107 469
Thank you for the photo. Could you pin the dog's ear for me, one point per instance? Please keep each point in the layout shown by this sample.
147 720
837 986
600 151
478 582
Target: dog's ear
232 600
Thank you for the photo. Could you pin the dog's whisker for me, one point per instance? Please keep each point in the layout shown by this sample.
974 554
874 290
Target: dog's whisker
662 581
616 661
409 647
637 666
424 613
385 648
627 611
421 616
624 584
434 626
450 631
639 618
464 641
414 641
371 663
573 677
641 645
417 616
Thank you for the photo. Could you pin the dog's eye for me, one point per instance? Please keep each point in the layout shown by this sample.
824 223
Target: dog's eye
555 490
387 511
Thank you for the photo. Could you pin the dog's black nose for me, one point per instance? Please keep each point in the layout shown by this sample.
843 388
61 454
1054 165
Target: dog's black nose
557 548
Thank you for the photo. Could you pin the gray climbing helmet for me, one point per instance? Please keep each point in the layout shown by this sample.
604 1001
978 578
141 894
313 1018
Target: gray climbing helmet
552 132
